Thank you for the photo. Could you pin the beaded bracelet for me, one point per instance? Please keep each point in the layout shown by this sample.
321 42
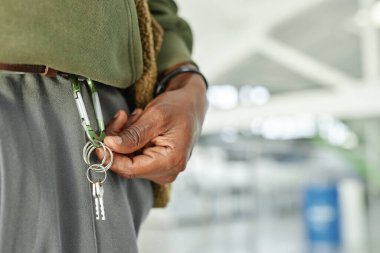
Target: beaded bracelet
163 82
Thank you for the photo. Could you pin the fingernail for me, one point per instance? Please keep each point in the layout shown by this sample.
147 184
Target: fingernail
116 139
137 111
116 115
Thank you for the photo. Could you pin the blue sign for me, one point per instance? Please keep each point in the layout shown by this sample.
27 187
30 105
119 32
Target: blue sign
321 214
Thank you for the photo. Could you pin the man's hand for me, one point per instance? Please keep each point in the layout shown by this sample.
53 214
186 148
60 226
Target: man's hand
155 143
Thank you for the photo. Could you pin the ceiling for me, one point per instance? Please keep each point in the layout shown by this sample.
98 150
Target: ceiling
314 56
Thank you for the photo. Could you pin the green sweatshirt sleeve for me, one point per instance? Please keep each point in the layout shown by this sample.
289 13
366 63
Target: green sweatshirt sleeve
178 39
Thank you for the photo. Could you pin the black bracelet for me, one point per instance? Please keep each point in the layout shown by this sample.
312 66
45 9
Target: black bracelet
163 82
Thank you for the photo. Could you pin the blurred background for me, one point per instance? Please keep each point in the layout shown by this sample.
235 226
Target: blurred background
289 159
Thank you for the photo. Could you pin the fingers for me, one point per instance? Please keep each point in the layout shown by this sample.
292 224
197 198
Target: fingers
156 163
117 123
135 115
150 163
153 165
143 147
122 120
136 135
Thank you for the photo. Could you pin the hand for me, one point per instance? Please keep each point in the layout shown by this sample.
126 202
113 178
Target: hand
155 143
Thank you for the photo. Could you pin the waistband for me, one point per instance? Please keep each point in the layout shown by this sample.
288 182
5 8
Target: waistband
29 68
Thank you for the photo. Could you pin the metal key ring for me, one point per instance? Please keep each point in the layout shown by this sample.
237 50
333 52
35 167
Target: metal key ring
89 148
85 152
105 149
92 168
103 161
92 148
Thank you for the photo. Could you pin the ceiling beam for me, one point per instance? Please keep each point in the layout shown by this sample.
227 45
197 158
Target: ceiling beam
215 57
304 65
353 103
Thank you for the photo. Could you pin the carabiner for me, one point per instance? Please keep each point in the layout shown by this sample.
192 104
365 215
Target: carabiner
93 137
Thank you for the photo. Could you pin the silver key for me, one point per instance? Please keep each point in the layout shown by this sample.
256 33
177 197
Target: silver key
96 199
100 193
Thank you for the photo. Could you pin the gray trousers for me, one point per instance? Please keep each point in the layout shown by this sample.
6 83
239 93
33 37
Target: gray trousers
45 199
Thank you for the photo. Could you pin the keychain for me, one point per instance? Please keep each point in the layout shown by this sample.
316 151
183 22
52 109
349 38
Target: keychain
96 172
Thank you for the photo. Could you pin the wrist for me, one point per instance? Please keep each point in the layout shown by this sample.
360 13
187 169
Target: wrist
191 87
178 77
189 81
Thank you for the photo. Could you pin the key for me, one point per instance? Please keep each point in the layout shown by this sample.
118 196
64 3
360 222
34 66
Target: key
100 193
96 198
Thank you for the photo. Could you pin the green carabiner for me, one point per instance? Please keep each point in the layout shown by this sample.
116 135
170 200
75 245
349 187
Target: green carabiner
93 136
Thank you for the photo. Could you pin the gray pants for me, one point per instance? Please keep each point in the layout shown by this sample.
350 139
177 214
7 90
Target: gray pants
45 199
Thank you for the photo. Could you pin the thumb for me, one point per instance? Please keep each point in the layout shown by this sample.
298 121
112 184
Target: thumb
134 136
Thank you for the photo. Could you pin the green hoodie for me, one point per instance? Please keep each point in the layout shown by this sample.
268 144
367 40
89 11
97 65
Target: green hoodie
98 39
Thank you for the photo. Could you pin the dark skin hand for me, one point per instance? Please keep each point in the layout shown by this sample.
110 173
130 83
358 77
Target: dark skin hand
155 143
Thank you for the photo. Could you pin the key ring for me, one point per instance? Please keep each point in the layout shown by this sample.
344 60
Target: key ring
89 148
85 121
92 168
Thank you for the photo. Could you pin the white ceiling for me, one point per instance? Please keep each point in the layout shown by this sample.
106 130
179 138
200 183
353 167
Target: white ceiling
345 71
